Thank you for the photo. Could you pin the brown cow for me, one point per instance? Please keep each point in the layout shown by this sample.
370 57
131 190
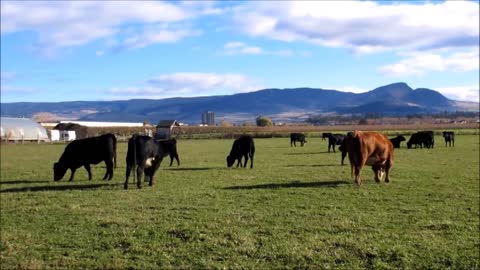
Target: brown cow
369 148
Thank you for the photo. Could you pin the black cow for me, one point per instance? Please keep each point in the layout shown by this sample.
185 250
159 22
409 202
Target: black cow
242 147
335 139
428 139
300 137
449 137
343 149
421 138
145 155
87 151
397 141
172 146
325 135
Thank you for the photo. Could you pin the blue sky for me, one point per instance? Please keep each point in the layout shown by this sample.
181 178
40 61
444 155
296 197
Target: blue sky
105 50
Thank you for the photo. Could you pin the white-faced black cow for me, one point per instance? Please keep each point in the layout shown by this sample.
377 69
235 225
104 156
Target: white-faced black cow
145 155
297 137
335 139
87 151
449 137
397 141
242 147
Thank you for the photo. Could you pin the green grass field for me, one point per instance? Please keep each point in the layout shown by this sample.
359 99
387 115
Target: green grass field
298 208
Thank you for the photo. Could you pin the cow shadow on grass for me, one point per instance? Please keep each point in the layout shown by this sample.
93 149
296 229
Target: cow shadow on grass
188 169
293 184
58 188
307 153
314 165
24 182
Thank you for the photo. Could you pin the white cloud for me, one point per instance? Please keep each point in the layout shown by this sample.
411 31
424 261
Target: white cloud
418 63
157 34
73 23
241 48
363 26
7 76
188 84
462 93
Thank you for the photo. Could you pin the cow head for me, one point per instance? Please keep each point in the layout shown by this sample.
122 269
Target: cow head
58 171
230 161
401 138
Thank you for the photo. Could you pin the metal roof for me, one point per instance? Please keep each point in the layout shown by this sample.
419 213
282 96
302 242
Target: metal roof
22 128
167 123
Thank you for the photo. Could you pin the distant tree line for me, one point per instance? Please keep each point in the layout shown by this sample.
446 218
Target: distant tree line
361 119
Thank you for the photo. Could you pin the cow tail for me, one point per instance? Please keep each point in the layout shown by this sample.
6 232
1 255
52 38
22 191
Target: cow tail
114 152
134 158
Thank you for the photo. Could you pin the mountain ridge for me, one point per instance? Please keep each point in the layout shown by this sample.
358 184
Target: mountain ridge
391 99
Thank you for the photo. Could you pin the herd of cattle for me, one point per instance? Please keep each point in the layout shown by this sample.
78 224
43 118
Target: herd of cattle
144 154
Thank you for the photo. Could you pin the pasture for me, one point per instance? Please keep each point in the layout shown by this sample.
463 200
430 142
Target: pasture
297 208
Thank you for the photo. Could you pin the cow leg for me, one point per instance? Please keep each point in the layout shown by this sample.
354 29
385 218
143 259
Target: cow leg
72 174
251 161
246 160
358 169
377 172
109 173
333 146
140 170
239 161
127 175
89 171
344 154
388 166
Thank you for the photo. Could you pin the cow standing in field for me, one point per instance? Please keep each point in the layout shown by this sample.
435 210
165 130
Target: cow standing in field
449 137
335 139
294 137
87 151
369 148
397 141
145 155
171 146
242 147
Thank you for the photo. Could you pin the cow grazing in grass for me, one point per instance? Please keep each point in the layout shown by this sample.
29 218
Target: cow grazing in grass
144 154
297 137
397 141
369 148
242 147
335 139
449 137
422 139
326 135
87 151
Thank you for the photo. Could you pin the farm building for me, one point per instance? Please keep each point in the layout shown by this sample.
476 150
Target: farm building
164 129
21 129
69 132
